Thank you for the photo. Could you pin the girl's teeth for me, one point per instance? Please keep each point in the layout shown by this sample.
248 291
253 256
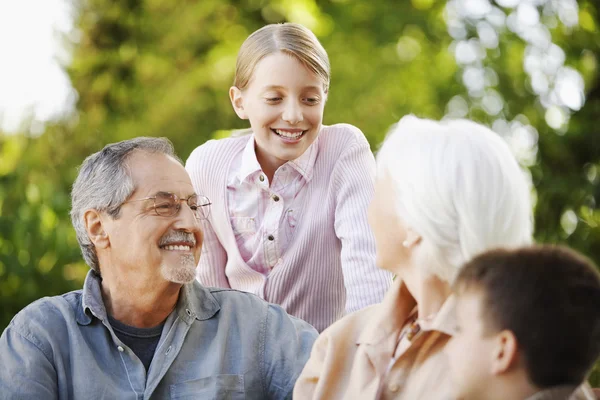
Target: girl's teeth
289 134
178 248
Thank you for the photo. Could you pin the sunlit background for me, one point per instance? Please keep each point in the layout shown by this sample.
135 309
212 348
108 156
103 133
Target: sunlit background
76 75
35 42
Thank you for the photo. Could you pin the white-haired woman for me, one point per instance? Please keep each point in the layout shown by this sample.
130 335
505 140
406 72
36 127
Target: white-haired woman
446 191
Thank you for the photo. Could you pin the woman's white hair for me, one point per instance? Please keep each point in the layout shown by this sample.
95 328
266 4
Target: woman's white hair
459 187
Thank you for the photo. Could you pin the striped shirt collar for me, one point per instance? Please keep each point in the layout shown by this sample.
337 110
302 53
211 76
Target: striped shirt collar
304 164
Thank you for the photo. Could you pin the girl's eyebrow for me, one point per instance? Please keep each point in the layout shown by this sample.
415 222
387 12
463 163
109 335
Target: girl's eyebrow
279 87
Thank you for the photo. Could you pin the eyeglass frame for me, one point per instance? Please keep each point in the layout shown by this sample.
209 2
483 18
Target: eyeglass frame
178 201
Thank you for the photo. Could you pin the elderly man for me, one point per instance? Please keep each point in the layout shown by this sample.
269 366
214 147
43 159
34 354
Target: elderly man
142 327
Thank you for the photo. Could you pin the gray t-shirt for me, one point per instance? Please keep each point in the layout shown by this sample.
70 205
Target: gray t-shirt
142 341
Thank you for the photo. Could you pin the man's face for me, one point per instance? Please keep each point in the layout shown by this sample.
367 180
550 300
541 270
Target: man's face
471 350
154 246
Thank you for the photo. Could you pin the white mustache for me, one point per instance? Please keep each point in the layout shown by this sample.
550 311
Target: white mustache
177 236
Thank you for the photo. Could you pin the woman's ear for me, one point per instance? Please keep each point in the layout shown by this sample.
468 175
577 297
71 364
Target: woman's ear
95 229
412 238
237 101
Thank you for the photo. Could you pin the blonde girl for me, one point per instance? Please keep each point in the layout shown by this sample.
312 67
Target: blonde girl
288 219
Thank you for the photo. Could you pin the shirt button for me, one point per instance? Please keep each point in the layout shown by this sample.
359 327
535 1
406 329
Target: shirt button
275 198
121 349
271 237
261 178
168 350
394 387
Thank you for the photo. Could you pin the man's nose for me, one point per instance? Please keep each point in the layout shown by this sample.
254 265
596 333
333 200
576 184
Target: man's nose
187 220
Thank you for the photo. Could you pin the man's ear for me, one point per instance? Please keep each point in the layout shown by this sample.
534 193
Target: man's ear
505 352
237 101
96 229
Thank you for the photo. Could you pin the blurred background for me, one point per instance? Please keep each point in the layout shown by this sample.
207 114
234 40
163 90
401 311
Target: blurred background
76 75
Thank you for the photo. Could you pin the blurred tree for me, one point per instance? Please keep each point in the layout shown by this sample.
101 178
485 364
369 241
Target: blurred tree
163 68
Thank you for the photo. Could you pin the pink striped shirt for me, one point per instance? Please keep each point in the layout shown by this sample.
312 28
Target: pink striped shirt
261 211
326 266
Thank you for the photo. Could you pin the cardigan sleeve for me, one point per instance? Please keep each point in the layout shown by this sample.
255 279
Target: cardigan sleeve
211 268
213 259
353 178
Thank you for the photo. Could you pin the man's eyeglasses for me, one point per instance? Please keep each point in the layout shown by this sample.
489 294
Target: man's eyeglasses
168 204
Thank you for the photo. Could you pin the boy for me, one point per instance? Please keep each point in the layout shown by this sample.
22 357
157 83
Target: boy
528 325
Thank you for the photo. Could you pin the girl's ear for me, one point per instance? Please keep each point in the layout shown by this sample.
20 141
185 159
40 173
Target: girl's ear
237 101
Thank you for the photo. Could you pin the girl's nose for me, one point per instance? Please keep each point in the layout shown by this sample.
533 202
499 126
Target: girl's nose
292 113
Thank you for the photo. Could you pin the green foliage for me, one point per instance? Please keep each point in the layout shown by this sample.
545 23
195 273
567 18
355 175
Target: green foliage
163 68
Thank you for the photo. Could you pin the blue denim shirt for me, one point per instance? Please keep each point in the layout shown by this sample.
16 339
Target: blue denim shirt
217 343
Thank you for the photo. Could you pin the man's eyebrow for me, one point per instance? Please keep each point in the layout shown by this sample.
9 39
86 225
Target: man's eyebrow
187 195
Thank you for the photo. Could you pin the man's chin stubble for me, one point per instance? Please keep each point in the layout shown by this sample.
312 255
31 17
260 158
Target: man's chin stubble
183 273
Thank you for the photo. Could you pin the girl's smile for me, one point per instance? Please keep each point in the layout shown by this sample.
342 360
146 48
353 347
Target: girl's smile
284 103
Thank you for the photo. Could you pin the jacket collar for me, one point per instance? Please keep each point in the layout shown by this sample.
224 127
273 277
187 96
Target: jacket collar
389 316
380 338
398 304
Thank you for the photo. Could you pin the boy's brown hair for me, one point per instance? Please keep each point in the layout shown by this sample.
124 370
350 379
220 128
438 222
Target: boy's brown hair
549 297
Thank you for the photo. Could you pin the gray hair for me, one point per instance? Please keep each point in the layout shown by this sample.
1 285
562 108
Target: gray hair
458 185
104 183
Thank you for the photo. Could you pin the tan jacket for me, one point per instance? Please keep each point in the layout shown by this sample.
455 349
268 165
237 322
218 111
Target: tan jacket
354 358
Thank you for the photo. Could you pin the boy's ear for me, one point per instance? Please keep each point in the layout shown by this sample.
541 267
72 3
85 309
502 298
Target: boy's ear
505 352
237 101
95 229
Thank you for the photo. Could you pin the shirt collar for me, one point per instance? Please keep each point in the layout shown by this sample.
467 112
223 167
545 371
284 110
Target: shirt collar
195 302
303 164
445 319
250 163
389 316
554 393
397 305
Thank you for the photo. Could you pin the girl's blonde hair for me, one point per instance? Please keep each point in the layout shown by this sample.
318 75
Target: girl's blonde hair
289 38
